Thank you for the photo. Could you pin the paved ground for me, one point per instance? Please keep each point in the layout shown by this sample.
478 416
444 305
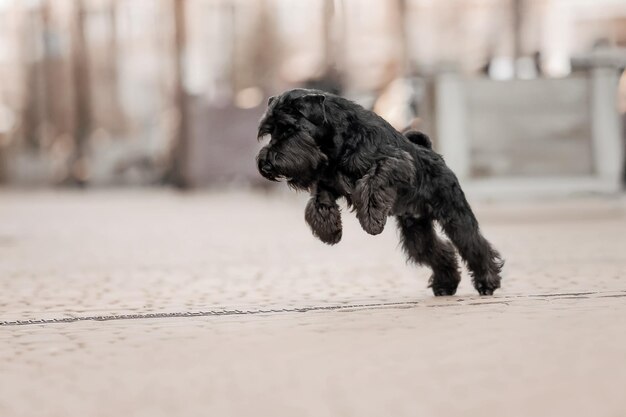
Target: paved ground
360 335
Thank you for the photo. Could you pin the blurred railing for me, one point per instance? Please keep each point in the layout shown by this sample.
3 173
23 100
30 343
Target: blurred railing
541 136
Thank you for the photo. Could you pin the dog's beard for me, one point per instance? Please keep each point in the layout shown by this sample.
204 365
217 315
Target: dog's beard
296 160
306 159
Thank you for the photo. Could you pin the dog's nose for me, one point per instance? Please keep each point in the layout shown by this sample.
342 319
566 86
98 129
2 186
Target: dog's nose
266 168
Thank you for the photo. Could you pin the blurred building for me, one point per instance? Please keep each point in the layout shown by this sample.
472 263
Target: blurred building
99 92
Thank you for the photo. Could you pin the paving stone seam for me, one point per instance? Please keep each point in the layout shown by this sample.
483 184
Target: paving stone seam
502 300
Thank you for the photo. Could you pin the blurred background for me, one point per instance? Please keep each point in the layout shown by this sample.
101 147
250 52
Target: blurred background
112 281
519 95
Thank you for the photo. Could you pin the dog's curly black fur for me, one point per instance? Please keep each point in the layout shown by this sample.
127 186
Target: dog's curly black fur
334 148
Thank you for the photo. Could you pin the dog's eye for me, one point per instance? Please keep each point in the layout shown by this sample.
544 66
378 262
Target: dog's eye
285 132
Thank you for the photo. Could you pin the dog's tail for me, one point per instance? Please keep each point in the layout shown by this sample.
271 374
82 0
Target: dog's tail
418 138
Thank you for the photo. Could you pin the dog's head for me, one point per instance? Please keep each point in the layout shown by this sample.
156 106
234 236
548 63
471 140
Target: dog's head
295 122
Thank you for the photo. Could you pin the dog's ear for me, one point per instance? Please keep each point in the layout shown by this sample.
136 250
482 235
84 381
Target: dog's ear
418 138
312 107
270 101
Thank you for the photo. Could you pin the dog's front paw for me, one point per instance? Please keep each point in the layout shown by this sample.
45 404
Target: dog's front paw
373 204
324 220
330 235
372 224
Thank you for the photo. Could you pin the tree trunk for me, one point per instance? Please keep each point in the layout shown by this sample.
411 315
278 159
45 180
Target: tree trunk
77 173
176 173
31 112
518 11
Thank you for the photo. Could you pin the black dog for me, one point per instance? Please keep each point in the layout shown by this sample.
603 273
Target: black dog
334 148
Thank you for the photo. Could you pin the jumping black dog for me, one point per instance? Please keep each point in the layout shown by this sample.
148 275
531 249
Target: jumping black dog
333 148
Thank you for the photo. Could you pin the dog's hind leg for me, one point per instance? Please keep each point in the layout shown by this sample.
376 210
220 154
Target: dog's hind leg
424 247
483 261
322 214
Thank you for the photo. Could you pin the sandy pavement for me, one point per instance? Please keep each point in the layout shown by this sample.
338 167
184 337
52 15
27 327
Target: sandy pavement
286 326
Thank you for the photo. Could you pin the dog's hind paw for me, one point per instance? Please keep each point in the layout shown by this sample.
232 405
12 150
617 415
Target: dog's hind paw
445 282
440 292
487 285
